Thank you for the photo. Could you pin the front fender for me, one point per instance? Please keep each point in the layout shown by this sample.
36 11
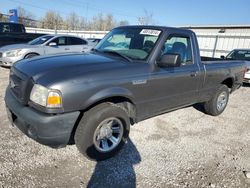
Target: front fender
109 93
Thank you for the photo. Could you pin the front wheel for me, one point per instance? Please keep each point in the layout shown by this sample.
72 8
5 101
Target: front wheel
219 101
102 131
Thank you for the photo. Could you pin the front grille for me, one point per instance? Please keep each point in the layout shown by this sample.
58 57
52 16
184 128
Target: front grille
20 85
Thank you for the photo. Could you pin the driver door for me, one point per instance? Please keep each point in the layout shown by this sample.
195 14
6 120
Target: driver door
176 86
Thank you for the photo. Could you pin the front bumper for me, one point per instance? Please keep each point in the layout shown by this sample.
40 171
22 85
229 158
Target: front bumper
47 129
9 61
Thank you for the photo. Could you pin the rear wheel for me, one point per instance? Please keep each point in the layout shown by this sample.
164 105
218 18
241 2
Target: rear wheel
102 132
218 102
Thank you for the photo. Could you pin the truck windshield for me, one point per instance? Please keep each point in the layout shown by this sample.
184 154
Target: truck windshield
133 43
40 40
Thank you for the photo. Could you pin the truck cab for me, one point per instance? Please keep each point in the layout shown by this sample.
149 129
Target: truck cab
15 33
8 27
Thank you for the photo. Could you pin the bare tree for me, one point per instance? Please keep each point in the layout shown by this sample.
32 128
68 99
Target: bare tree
3 18
146 19
98 22
72 21
82 23
52 20
123 23
102 22
110 22
26 17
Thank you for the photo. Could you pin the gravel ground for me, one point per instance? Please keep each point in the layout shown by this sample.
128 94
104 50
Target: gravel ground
184 148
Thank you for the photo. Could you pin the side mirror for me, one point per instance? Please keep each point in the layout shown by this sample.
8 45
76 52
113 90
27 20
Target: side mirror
222 57
52 44
169 60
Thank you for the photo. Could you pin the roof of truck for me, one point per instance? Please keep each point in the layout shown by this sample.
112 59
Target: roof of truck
164 28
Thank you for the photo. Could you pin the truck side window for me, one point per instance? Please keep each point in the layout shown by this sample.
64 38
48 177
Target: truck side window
181 46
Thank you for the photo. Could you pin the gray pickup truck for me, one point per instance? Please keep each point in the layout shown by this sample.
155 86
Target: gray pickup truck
134 73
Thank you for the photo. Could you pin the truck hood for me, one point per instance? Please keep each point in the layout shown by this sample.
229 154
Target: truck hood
17 46
68 66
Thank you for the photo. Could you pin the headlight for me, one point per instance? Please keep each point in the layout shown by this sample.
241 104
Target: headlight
46 97
13 53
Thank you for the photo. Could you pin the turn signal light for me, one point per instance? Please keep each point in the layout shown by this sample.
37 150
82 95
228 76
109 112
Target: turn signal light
54 100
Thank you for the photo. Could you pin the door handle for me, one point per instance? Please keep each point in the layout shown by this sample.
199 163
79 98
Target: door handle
66 48
194 74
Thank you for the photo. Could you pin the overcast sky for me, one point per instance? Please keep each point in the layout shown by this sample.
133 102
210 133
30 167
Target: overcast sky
165 12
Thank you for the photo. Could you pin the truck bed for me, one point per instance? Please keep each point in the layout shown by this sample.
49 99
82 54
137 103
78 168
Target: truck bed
212 60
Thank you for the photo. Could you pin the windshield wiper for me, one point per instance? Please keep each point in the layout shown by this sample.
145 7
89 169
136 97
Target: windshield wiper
117 54
112 52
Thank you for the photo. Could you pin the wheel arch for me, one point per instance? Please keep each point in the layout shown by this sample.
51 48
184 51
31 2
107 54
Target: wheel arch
122 99
114 95
29 53
229 82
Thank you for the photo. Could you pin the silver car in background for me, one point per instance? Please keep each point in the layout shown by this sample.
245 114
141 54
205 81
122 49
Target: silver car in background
44 45
241 54
93 41
247 74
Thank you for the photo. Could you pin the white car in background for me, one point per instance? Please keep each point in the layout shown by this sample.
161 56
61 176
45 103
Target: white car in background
247 74
44 45
93 41
241 54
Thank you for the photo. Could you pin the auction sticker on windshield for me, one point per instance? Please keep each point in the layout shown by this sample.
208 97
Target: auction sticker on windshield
150 32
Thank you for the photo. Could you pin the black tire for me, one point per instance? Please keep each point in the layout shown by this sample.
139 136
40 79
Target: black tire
30 55
84 135
211 108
